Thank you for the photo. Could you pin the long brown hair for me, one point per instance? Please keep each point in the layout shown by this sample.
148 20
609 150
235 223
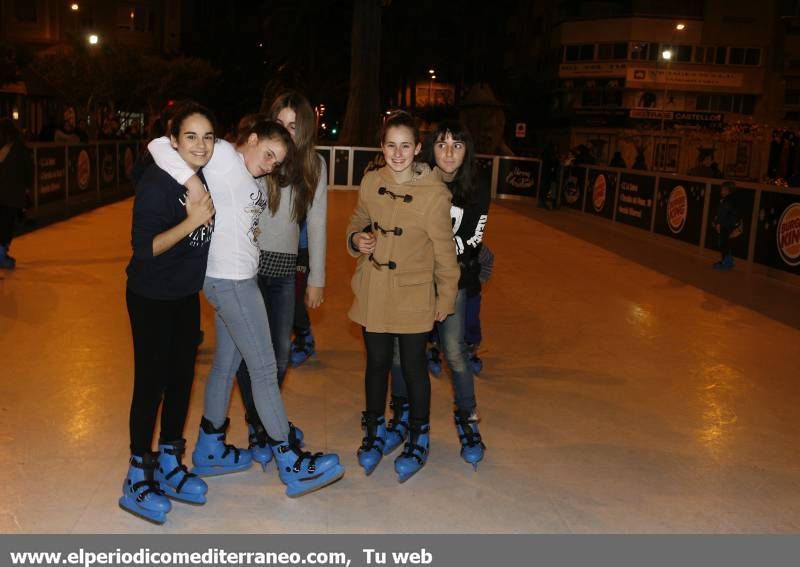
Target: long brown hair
304 172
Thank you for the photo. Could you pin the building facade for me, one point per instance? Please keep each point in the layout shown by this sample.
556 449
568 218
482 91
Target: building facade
148 26
676 87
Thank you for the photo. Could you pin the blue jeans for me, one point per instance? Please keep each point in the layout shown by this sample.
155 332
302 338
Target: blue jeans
242 332
451 340
279 298
278 295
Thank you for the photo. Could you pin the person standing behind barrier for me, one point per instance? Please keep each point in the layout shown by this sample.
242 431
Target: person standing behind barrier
725 222
302 197
242 329
405 279
170 243
452 151
16 179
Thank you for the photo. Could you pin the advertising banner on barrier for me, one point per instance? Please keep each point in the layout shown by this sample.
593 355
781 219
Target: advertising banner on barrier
364 161
635 203
778 231
518 177
601 192
743 201
108 167
679 209
572 186
51 173
341 162
82 169
128 153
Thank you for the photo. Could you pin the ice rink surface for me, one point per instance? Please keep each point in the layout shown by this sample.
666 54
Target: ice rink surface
627 388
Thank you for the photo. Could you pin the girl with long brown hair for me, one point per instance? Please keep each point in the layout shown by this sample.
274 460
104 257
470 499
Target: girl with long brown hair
299 195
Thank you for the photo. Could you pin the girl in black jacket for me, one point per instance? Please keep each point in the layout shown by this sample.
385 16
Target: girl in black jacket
450 148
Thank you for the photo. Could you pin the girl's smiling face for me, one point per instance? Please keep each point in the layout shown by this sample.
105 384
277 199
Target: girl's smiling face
399 148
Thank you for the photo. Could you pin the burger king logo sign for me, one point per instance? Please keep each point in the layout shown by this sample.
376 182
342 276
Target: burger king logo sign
788 235
676 209
599 193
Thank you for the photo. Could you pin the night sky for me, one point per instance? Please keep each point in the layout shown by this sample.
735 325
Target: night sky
266 45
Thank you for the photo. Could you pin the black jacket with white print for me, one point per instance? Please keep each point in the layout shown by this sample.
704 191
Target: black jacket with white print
469 223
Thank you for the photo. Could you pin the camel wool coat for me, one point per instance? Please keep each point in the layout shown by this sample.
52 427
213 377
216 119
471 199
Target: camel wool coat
413 231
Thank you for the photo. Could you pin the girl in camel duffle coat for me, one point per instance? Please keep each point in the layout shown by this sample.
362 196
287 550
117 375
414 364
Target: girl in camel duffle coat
406 278
418 272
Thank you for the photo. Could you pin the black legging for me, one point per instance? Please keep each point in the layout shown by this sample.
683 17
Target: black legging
380 349
164 351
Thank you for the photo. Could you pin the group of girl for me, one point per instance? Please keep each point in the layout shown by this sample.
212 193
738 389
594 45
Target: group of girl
225 218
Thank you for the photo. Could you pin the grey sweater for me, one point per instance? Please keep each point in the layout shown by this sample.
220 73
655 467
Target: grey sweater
279 233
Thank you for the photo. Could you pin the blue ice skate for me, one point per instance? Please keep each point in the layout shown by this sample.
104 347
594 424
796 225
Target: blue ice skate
301 471
474 360
434 360
6 262
414 455
212 456
174 478
373 443
397 430
141 494
302 349
258 446
472 447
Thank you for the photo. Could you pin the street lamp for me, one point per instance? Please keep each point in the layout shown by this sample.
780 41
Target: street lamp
74 7
666 55
93 39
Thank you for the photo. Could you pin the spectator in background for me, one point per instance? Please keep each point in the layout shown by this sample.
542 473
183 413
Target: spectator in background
66 134
583 155
108 131
704 166
134 131
82 131
550 169
726 223
617 160
640 163
16 179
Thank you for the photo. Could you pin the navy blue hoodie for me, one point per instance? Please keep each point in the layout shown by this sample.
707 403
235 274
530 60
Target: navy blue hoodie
159 205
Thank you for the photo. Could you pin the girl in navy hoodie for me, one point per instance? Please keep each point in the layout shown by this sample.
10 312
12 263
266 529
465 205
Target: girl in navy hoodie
170 236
